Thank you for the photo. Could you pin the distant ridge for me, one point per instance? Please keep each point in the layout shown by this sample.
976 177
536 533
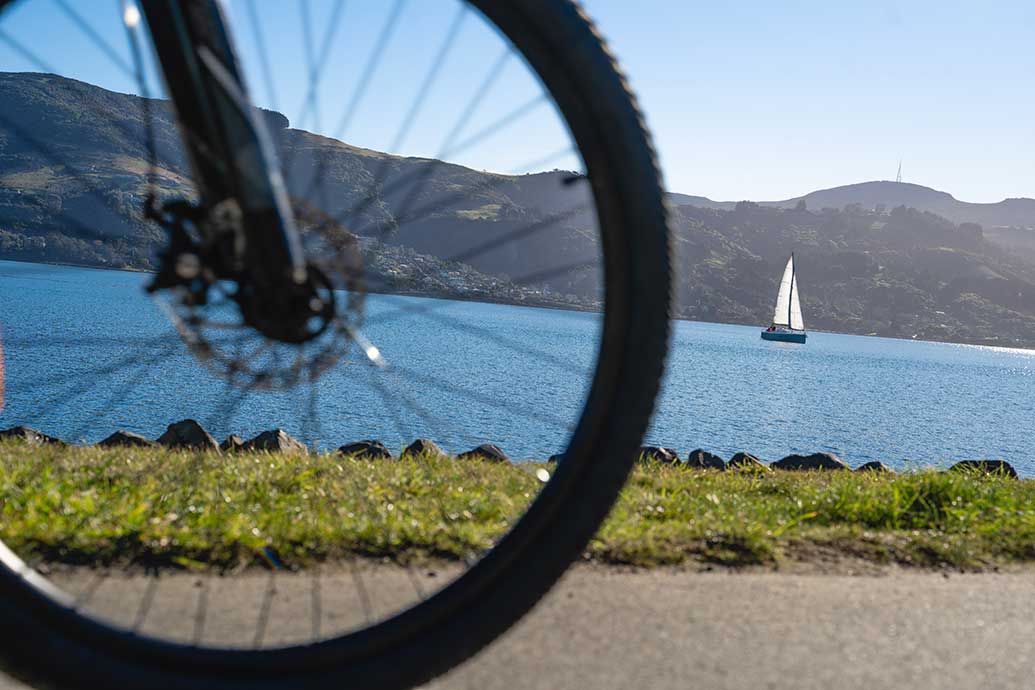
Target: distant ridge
903 272
1009 212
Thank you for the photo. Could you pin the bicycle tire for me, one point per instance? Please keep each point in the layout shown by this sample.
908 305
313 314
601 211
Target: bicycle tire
569 55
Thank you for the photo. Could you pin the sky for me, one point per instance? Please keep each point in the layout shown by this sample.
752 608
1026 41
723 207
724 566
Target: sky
747 100
769 100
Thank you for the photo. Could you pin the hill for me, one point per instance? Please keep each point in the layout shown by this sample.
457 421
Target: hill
1010 222
904 273
73 165
72 185
1015 212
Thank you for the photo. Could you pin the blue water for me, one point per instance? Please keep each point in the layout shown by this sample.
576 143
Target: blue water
84 356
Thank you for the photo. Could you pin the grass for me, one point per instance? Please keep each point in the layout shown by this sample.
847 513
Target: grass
486 212
161 508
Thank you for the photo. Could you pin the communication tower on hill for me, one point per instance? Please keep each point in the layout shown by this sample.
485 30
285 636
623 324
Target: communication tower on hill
898 178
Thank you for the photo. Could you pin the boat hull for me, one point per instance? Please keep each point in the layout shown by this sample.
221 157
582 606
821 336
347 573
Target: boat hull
784 336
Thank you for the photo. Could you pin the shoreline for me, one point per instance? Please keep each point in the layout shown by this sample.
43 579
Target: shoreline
573 308
400 293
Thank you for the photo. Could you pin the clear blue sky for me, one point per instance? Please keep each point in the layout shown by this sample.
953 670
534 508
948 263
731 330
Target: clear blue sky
759 100
767 100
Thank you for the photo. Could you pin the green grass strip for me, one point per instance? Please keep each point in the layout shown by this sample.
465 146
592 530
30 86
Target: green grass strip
160 508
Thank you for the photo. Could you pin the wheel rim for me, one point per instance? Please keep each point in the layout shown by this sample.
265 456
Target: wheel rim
392 627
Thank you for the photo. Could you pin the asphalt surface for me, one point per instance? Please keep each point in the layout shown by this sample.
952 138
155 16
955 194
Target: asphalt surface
663 629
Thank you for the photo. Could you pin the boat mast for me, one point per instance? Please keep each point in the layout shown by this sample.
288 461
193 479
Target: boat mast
790 295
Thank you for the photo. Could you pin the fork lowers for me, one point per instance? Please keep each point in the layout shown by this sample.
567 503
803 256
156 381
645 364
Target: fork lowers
250 320
209 245
291 312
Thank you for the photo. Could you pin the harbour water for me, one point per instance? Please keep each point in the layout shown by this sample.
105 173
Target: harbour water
86 352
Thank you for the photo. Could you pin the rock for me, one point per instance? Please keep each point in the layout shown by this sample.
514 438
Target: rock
998 467
703 460
486 451
274 120
126 438
875 466
366 450
232 444
188 434
424 448
30 436
816 461
556 457
746 462
665 456
275 441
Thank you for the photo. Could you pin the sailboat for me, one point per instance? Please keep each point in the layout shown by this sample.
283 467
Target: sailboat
788 326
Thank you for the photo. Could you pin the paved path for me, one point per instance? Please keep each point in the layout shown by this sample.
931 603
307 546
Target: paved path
665 629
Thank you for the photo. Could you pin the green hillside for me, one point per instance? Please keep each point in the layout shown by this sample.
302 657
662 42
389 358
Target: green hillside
72 185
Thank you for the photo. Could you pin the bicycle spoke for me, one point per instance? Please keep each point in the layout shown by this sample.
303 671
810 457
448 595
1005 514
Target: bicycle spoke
313 417
517 234
145 101
310 105
390 410
81 341
117 396
429 79
415 581
83 599
264 61
394 368
59 161
200 612
108 368
264 612
315 71
44 67
436 206
411 115
494 128
85 232
358 209
485 334
556 272
230 405
433 422
361 590
373 62
471 108
48 153
227 326
95 38
371 66
541 163
425 173
505 406
495 71
315 64
429 309
26 53
146 601
315 603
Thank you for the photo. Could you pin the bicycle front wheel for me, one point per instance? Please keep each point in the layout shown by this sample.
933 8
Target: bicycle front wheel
550 341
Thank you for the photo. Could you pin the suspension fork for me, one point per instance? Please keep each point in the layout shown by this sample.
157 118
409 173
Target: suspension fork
229 147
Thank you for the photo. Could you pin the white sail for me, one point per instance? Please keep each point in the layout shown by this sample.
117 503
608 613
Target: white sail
796 321
788 306
782 314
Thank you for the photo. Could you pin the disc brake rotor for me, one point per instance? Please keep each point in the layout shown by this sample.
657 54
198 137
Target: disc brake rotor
209 312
